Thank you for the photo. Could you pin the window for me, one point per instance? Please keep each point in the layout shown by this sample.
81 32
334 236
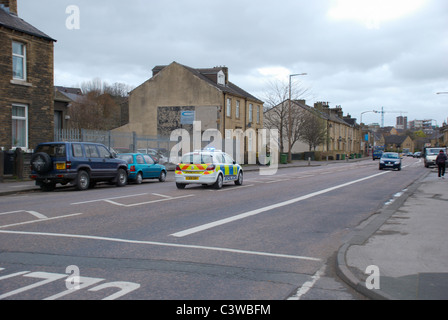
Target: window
126 157
228 159
229 107
251 109
20 126
91 151
104 153
237 111
53 150
139 159
258 114
221 78
77 150
18 61
148 159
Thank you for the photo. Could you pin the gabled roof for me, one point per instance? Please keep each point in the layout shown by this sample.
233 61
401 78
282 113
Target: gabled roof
324 115
303 105
13 22
394 139
67 94
229 87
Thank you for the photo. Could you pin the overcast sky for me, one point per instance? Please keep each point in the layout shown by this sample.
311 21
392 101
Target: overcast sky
363 55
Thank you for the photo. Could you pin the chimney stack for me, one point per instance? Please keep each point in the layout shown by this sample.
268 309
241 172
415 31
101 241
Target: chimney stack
10 5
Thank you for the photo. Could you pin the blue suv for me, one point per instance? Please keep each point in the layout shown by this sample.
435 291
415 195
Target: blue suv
82 164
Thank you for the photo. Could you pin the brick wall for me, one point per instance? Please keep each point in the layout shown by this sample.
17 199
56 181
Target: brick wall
36 92
11 5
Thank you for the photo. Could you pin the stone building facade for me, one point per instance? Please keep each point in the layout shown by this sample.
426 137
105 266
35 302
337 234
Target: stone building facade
342 134
26 81
159 105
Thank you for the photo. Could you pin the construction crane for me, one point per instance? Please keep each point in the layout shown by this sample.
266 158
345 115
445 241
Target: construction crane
383 112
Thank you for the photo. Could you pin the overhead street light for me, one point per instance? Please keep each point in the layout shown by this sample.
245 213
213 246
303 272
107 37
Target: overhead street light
289 116
360 121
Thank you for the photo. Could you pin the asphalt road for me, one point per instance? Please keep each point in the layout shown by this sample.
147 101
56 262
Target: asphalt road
274 238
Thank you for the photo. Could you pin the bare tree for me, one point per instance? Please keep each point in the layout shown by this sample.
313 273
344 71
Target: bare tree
313 129
96 85
101 105
277 109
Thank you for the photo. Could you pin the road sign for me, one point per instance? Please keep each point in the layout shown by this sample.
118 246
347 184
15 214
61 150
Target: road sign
187 117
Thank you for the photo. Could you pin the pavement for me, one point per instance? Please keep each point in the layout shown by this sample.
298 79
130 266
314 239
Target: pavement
401 252
398 253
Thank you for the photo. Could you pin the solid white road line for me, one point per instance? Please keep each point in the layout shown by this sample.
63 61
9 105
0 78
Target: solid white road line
175 245
271 207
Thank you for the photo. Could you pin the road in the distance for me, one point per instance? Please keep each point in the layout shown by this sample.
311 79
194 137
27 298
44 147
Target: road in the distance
263 240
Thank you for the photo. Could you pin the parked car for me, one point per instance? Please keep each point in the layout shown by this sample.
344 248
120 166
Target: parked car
430 155
143 166
391 160
157 155
376 154
82 164
417 154
208 167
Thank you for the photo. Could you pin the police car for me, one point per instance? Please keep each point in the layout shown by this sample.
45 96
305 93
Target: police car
208 167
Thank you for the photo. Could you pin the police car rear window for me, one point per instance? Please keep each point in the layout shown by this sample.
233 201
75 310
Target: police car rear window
197 158
53 150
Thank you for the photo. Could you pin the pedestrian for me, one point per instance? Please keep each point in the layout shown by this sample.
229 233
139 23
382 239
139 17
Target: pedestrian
441 163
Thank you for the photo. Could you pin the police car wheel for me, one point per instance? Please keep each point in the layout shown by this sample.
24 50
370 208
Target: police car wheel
180 185
239 181
218 183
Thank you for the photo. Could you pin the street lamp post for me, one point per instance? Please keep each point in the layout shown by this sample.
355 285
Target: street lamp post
360 122
367 112
290 118
436 122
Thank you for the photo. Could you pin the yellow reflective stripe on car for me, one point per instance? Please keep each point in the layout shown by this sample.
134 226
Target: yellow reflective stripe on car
193 167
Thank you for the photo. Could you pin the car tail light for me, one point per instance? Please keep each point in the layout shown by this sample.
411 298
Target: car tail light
210 167
68 164
178 168
132 168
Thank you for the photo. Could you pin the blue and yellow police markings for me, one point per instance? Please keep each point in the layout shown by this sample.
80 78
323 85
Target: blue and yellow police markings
230 171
